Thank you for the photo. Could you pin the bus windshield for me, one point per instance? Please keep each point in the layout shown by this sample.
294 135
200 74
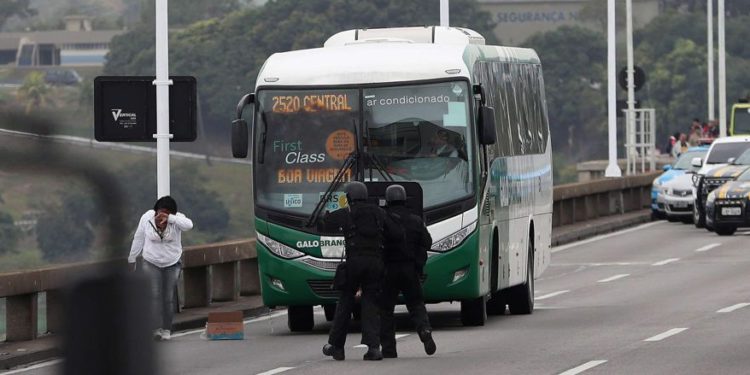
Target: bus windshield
302 138
422 133
418 133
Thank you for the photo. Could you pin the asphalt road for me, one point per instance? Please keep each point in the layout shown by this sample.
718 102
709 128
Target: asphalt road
661 298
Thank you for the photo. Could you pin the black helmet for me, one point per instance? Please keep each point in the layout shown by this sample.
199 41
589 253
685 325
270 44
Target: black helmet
356 191
395 193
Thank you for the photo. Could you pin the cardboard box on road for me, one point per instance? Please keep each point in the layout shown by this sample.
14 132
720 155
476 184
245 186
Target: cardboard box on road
225 326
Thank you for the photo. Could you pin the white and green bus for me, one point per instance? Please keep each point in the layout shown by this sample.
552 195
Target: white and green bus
431 105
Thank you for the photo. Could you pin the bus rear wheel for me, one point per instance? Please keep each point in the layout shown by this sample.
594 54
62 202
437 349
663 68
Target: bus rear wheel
473 312
521 297
300 318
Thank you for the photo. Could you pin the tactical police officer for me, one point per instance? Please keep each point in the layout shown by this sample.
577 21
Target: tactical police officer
363 225
404 261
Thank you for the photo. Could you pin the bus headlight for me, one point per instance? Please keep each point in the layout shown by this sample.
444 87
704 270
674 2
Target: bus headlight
279 248
454 239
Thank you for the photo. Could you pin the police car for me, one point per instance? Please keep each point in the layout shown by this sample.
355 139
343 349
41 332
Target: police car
727 206
712 172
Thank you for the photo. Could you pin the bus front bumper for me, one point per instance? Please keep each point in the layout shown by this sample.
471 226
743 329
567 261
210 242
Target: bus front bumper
449 276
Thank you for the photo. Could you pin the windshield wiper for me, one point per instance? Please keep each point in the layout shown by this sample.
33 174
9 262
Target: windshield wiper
348 163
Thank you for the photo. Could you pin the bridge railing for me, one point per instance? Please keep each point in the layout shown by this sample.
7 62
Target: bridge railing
578 202
225 271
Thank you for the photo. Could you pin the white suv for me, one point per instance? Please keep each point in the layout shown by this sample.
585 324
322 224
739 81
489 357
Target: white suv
722 152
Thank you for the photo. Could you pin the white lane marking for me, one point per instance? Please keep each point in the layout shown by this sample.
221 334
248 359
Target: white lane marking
613 278
35 367
605 236
550 295
598 264
276 371
733 307
665 261
707 247
666 334
245 322
398 336
584 367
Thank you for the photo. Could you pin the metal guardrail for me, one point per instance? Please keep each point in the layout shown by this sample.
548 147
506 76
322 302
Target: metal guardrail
225 271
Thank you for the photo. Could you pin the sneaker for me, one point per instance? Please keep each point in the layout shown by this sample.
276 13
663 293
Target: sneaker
429 344
373 354
166 334
158 334
332 351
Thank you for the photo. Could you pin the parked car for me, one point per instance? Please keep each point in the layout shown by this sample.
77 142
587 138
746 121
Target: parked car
682 165
722 152
727 206
676 198
62 77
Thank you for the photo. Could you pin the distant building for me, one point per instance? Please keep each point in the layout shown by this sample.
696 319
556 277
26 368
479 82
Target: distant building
77 45
517 20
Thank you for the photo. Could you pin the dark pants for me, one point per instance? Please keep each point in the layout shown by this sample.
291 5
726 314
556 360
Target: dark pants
401 277
364 272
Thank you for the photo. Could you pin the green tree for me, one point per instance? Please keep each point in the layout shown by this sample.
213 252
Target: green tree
17 8
225 54
65 233
34 91
9 234
209 214
185 12
573 60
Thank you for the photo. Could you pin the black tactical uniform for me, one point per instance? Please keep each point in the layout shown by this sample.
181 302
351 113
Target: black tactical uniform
404 258
363 225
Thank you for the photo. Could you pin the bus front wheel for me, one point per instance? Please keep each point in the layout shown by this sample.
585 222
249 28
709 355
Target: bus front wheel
300 318
473 312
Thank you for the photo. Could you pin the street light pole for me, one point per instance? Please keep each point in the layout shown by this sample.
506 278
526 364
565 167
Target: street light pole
722 74
162 83
710 37
613 170
444 13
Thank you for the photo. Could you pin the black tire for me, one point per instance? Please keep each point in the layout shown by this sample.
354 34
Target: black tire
496 304
521 297
725 230
330 312
699 217
300 318
473 312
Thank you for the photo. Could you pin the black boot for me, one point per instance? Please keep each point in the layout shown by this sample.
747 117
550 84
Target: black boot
373 354
429 344
332 351
389 353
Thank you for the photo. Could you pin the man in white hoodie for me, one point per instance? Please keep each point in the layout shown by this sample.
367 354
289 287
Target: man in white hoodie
159 239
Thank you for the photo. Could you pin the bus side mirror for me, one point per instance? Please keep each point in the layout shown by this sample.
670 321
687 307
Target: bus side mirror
487 135
697 162
240 132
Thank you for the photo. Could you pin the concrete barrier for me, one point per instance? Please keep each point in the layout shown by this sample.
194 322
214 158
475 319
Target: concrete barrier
224 271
